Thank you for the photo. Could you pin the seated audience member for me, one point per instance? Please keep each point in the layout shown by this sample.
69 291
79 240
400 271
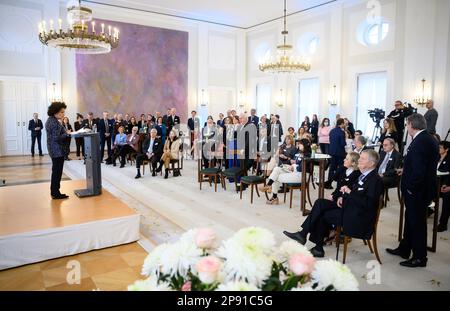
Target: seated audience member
390 162
346 175
131 145
287 151
355 209
389 131
291 131
349 142
444 167
358 133
152 149
119 141
287 173
303 133
171 152
360 144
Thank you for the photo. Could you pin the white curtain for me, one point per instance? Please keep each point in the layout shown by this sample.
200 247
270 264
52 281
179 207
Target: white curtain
308 99
263 99
372 93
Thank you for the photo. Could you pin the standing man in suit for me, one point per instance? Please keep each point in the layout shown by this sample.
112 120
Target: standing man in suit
431 117
35 126
90 122
418 186
390 162
106 128
355 209
166 118
193 122
220 121
152 149
253 118
172 120
336 150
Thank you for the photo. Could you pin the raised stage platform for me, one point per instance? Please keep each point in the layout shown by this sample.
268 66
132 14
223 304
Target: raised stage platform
33 227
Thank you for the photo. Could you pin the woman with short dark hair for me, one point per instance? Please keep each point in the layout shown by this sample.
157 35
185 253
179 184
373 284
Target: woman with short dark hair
56 138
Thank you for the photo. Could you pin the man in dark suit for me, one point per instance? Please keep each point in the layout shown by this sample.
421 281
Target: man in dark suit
172 120
398 115
336 150
253 118
90 122
355 209
152 150
35 126
220 121
418 187
106 129
193 122
390 162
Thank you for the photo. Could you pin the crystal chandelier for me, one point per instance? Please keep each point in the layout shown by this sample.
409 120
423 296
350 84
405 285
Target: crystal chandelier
423 98
78 37
284 61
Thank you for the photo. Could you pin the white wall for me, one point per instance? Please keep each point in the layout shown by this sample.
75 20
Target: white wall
417 47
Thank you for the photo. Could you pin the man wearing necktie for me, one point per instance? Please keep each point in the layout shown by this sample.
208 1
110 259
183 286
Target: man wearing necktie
390 162
35 126
253 118
152 149
418 186
355 209
105 129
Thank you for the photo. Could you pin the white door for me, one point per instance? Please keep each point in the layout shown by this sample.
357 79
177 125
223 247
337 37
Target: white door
19 99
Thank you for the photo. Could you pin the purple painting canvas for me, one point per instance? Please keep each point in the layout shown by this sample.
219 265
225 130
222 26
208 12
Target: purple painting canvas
148 72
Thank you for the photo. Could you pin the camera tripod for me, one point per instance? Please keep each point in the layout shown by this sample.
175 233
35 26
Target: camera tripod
376 131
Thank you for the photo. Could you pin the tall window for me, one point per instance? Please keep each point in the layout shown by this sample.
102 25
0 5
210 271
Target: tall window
376 33
263 99
372 93
309 98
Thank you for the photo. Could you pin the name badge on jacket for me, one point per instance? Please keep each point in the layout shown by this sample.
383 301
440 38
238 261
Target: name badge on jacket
360 189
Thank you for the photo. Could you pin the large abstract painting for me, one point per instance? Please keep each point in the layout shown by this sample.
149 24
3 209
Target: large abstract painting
148 72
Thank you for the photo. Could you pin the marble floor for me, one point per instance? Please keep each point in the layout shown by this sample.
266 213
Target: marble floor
168 207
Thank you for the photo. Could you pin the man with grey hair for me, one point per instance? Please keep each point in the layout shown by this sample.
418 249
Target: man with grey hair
360 144
355 210
390 162
418 186
431 117
152 149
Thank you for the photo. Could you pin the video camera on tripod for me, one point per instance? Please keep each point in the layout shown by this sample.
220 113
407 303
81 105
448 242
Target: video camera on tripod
377 115
408 109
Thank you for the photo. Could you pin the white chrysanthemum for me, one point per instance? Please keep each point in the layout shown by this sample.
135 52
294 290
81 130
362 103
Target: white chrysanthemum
237 287
258 237
244 262
308 287
189 236
330 272
150 284
289 248
152 264
180 257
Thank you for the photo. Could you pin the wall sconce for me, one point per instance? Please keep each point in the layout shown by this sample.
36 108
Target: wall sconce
333 101
241 100
423 98
280 99
204 98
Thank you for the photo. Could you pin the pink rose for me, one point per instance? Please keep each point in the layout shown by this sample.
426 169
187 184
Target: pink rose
186 287
208 269
205 238
301 264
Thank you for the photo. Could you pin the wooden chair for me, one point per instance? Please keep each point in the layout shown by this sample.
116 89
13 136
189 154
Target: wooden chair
210 173
373 249
253 182
232 173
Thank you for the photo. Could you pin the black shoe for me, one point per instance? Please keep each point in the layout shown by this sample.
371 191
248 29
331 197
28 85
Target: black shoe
297 236
166 175
328 186
414 263
137 176
122 165
32 155
442 228
41 155
153 174
114 164
159 169
430 211
397 252
317 252
60 196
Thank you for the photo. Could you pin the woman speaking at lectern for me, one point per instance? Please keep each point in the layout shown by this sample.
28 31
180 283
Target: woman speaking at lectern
56 137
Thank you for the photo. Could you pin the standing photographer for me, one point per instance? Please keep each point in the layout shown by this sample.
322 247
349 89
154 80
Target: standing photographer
431 117
399 115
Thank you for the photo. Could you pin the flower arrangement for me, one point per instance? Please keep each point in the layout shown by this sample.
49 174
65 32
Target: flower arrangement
248 261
